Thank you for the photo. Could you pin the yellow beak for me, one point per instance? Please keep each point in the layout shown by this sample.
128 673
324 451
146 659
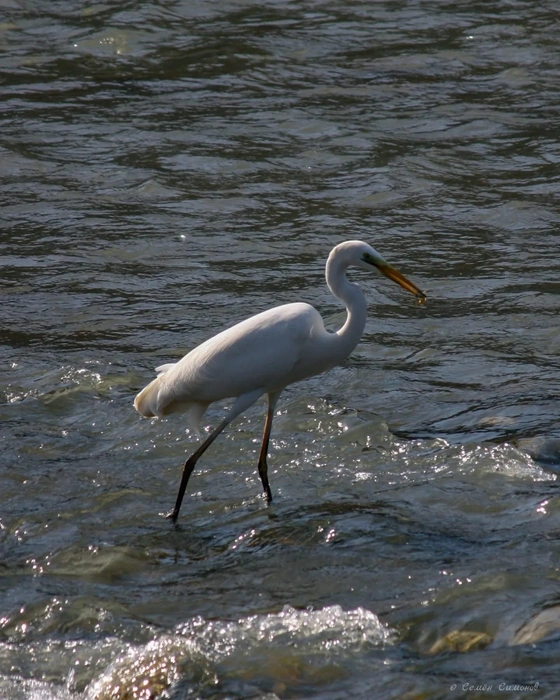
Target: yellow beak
397 276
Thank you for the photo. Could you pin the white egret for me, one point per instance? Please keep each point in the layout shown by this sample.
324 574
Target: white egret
263 354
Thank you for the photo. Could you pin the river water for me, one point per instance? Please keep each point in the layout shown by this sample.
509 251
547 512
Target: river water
168 169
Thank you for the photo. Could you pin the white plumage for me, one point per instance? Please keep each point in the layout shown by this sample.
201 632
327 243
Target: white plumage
263 355
258 353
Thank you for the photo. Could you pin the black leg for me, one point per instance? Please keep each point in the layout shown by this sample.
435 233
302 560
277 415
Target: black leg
190 465
262 465
263 473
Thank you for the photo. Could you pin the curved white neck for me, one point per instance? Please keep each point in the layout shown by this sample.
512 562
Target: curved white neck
353 298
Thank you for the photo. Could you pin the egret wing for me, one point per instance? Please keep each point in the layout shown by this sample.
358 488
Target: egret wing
258 353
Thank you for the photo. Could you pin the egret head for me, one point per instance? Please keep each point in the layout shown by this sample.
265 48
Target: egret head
362 255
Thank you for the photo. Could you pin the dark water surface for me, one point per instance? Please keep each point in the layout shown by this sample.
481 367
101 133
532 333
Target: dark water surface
167 169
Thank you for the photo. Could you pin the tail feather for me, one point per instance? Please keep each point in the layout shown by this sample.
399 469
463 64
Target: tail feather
162 369
156 400
146 402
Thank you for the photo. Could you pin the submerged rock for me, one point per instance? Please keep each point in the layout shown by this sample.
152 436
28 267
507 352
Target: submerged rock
544 625
543 450
461 641
144 673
